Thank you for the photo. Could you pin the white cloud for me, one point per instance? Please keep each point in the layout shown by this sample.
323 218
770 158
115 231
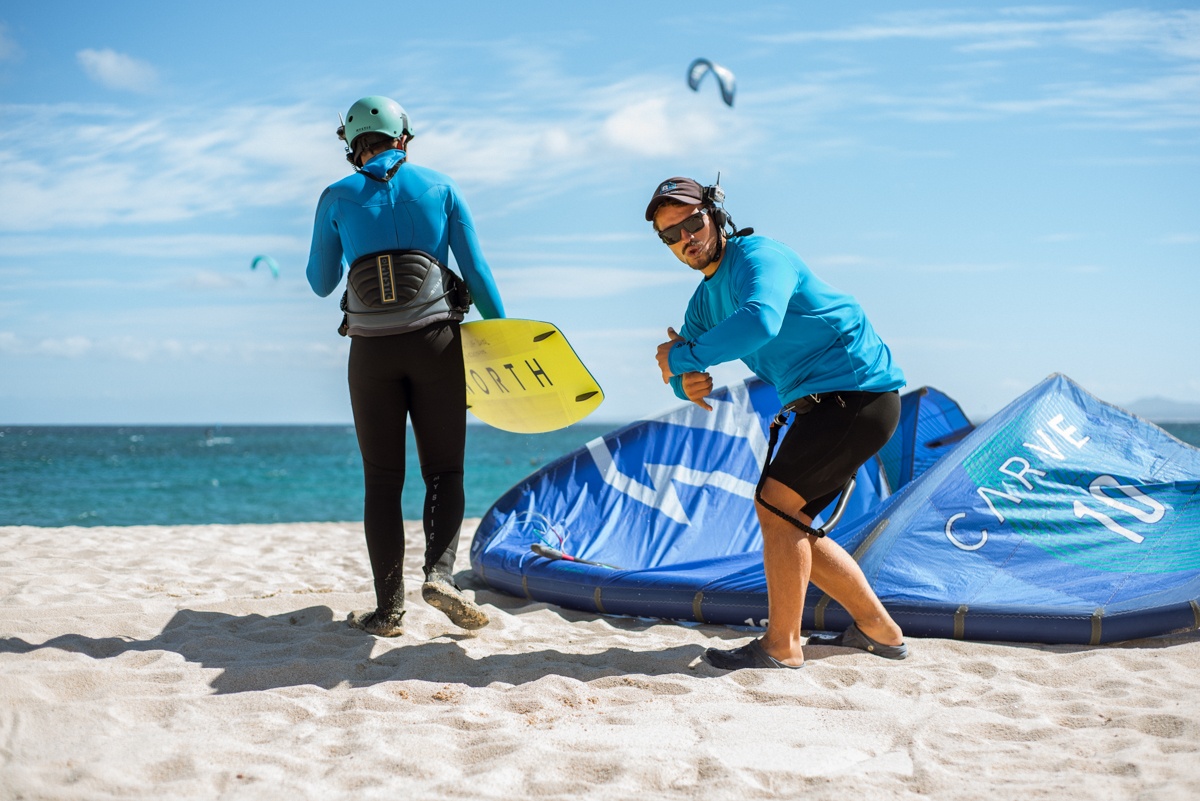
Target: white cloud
64 347
934 344
231 162
836 260
556 131
207 280
1000 46
964 267
1170 33
143 350
227 160
538 147
1158 103
1167 98
651 128
9 49
586 282
590 237
1181 239
117 70
179 246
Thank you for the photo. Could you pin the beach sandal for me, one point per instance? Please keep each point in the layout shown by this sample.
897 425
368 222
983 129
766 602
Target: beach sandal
378 624
443 594
750 655
853 638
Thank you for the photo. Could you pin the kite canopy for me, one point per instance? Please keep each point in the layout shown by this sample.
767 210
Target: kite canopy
724 78
268 261
1061 520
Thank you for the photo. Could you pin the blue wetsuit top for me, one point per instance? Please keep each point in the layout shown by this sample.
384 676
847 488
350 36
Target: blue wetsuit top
418 209
764 306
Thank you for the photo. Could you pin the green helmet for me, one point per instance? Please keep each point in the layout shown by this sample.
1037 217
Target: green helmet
376 114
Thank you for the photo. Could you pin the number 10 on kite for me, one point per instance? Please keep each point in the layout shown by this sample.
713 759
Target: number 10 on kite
523 376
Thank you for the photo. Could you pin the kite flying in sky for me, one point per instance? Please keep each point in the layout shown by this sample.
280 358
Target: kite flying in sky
701 67
267 260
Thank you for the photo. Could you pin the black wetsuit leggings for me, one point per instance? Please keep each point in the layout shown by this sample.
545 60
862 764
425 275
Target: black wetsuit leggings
418 374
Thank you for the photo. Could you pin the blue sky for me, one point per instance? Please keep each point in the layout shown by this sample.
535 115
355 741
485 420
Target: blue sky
1008 191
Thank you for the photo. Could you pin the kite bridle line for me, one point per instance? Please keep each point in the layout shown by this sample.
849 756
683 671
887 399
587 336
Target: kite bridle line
546 550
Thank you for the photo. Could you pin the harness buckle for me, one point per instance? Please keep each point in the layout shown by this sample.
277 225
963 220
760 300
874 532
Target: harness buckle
802 405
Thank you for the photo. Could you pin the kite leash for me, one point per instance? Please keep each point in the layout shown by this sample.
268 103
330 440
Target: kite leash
554 554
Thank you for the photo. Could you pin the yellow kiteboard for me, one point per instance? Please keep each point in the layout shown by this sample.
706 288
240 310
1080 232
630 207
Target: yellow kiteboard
523 376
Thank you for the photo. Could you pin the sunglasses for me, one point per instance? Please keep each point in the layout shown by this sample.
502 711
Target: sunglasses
672 234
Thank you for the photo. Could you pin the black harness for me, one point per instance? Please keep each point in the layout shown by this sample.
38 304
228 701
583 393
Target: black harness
798 407
392 292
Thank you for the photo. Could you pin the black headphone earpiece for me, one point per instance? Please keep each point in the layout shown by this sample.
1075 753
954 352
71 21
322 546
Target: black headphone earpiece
341 134
713 196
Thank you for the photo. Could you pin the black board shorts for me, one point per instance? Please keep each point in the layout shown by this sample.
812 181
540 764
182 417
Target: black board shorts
825 445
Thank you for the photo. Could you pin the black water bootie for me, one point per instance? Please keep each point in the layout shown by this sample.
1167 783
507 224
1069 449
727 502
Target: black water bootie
378 623
440 592
750 655
853 638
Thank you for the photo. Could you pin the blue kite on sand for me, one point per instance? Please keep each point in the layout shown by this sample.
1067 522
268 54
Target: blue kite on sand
1062 519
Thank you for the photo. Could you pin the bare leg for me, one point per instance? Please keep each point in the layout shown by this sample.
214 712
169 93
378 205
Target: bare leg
790 560
840 577
787 563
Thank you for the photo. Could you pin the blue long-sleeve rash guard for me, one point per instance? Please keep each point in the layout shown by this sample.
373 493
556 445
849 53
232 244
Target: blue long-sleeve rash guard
764 306
418 209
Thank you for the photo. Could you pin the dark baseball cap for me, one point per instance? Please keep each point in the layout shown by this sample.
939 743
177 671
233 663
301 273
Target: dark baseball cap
681 190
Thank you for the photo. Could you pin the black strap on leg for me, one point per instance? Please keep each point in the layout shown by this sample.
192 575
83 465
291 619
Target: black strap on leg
776 424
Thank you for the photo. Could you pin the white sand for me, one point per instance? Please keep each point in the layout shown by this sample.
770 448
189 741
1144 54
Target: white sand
213 662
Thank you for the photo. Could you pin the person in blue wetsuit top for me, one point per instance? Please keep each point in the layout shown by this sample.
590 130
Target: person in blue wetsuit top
760 303
389 228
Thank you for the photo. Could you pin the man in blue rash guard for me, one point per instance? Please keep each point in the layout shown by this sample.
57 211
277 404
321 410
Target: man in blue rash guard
760 303
390 227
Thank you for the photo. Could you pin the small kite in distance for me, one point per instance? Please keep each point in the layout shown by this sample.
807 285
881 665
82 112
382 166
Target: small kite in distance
701 67
267 260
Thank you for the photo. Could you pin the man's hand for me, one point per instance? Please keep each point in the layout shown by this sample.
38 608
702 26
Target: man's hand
664 351
698 386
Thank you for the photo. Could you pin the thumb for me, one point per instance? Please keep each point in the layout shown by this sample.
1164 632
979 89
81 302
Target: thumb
672 333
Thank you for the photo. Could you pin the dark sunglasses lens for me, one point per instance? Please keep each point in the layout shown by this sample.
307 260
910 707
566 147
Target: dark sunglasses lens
674 233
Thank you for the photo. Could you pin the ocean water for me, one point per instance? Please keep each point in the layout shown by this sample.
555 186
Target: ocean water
174 475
